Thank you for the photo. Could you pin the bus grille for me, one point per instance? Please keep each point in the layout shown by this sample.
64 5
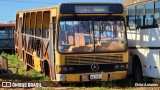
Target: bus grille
100 59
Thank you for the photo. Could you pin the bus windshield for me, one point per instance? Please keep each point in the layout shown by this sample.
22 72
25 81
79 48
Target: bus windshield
91 34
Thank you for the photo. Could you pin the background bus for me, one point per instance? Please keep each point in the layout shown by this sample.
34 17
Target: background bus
6 38
74 41
143 19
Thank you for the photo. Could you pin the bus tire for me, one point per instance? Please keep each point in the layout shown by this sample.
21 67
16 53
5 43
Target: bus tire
46 68
137 69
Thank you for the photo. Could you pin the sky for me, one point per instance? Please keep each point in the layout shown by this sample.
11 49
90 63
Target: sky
8 8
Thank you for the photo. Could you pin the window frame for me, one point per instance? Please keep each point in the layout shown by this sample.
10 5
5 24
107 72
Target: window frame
144 26
146 14
158 25
6 32
141 15
128 17
125 36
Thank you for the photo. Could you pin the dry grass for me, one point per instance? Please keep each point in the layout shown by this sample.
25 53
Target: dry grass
22 75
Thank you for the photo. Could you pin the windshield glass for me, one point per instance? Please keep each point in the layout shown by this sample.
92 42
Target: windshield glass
91 34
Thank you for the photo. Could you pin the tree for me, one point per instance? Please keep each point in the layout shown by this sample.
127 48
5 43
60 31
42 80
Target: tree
11 22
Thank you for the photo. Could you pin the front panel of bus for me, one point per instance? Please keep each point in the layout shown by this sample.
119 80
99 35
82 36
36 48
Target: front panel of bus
91 43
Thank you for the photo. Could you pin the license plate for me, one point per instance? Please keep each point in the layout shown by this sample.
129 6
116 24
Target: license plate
95 76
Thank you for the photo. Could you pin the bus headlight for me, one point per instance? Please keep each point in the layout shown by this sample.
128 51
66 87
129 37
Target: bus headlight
70 69
61 69
122 66
64 69
116 66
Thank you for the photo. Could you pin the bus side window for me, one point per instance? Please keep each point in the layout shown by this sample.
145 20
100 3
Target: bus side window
139 16
46 24
131 18
149 14
38 24
27 23
33 23
157 12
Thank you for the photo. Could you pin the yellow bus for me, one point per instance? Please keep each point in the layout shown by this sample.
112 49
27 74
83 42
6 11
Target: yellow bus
74 42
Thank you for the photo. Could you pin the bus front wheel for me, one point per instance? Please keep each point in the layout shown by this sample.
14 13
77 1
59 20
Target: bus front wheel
137 69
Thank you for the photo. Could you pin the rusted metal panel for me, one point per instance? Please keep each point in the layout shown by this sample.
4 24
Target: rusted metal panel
4 64
35 38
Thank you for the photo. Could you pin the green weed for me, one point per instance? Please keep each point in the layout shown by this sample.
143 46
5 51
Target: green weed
19 72
34 73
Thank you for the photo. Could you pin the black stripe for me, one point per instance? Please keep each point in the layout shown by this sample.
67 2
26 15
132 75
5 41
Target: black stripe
87 68
144 47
